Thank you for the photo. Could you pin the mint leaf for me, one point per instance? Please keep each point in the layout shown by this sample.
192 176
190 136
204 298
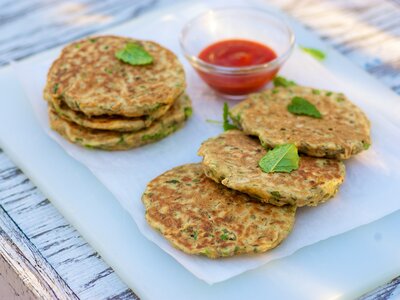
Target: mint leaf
316 53
283 158
300 106
282 81
134 54
225 116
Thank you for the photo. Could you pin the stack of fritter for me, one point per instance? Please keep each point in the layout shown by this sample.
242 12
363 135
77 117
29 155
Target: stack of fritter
230 204
116 93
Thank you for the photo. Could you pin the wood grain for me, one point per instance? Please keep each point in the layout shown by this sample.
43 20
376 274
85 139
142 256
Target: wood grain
23 257
71 257
11 285
28 27
390 291
366 31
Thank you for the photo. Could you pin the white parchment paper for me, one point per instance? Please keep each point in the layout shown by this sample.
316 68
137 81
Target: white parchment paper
370 191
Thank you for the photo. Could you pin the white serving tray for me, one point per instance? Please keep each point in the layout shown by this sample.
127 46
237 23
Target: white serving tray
341 267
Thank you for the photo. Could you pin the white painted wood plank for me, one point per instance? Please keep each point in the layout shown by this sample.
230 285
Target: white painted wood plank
366 31
390 291
11 285
28 27
25 260
61 245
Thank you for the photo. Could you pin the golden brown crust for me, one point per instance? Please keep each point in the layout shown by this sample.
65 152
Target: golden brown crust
114 140
343 130
199 216
232 159
107 122
89 78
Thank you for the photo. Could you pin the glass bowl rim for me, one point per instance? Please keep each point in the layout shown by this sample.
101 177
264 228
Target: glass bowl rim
207 67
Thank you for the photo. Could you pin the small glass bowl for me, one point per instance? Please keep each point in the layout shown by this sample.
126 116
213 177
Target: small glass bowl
265 27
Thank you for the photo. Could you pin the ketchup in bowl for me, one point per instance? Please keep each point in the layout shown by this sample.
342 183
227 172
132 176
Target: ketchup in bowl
233 55
237 50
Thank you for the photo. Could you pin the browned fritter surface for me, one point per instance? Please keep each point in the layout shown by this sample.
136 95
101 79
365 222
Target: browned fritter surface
115 140
89 78
232 159
343 130
199 216
107 122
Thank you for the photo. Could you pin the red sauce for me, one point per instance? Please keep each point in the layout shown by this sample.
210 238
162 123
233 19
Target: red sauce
237 53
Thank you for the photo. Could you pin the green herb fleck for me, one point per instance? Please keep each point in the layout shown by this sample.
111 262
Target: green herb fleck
195 235
108 71
134 54
188 112
93 40
300 106
155 136
275 91
224 236
282 81
55 88
316 92
226 251
275 194
206 252
225 115
161 134
236 249
283 158
366 145
121 140
173 181
339 99
77 105
213 121
227 235
77 46
88 146
155 107
329 94
316 53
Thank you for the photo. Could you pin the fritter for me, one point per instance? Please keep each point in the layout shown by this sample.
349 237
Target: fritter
232 159
114 140
106 122
342 131
199 216
89 78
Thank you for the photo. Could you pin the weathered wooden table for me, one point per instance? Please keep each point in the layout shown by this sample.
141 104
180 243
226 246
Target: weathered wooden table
41 255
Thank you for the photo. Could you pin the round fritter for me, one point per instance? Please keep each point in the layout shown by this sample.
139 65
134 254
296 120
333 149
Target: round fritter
106 122
114 140
199 216
232 159
343 130
89 78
